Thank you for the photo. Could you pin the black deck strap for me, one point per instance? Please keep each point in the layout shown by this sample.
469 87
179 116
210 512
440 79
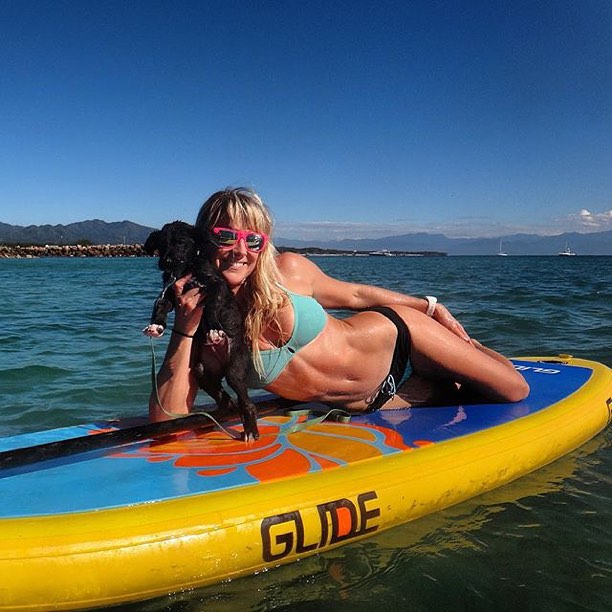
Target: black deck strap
21 457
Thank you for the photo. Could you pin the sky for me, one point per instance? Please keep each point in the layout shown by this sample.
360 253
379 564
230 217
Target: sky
350 118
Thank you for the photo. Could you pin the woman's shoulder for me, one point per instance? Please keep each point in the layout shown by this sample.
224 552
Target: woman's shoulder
294 262
289 262
297 272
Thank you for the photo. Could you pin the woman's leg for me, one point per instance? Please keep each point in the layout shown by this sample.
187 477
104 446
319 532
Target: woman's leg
439 355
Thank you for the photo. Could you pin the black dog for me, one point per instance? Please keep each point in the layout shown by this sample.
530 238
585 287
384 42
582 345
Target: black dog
183 250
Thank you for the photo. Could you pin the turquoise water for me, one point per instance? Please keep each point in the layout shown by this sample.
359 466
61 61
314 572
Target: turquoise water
72 352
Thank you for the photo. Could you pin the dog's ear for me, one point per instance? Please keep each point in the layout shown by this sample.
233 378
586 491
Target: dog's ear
152 243
206 245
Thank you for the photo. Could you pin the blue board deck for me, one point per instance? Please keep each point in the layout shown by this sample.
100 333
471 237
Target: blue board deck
194 462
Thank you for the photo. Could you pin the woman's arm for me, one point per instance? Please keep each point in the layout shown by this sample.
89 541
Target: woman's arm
304 276
176 385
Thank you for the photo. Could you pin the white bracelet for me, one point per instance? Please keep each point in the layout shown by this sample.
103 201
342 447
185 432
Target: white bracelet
431 305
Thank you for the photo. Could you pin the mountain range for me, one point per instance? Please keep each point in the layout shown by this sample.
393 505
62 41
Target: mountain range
94 231
598 243
125 232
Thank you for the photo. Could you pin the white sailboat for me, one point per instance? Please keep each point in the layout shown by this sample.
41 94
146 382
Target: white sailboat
501 252
566 252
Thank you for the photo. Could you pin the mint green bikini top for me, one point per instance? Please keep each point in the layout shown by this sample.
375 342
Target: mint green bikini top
309 321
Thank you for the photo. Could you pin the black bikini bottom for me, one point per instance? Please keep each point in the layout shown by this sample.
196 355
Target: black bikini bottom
399 363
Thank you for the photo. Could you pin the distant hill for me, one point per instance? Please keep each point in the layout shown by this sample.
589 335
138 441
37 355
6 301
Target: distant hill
95 231
126 232
599 243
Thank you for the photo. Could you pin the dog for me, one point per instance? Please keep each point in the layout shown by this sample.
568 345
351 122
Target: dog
183 250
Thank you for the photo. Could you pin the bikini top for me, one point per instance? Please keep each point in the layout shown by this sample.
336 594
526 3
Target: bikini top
309 321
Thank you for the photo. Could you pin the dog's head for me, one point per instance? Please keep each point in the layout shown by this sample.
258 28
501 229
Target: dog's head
177 245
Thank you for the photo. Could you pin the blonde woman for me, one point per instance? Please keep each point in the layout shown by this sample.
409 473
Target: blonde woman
301 352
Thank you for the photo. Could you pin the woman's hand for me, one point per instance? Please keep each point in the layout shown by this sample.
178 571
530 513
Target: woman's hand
443 316
189 304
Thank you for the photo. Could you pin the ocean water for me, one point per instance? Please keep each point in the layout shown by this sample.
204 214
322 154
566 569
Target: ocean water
72 351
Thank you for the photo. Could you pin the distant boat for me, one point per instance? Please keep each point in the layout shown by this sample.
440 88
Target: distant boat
566 252
501 252
381 253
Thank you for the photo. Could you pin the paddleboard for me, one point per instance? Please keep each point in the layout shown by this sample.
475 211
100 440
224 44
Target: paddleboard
122 511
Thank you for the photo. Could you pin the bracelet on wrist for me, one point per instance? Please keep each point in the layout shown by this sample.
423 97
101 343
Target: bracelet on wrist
180 333
431 305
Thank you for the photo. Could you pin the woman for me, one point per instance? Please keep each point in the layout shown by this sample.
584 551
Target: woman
299 351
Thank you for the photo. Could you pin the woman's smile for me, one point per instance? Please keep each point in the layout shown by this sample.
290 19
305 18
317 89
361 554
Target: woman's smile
236 265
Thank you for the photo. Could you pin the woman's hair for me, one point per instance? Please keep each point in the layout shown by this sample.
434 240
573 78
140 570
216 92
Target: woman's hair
240 206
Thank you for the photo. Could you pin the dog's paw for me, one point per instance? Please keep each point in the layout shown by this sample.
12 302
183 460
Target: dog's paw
249 437
250 432
153 331
216 336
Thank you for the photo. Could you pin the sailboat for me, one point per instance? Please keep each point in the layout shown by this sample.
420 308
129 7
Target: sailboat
501 252
566 252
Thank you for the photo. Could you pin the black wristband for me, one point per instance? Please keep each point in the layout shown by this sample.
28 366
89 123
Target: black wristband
180 333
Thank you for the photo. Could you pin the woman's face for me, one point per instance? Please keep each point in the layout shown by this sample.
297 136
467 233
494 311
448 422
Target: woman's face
236 264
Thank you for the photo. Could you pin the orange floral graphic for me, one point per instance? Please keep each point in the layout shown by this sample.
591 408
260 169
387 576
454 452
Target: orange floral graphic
278 453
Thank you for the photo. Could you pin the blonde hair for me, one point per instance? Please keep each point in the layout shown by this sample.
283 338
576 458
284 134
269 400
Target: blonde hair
243 207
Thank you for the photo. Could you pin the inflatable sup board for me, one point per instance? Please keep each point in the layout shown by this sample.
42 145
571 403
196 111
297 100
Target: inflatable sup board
122 511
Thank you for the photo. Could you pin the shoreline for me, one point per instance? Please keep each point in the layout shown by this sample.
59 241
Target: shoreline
16 251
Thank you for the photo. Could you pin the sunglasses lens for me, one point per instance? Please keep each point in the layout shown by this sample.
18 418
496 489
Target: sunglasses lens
225 237
254 242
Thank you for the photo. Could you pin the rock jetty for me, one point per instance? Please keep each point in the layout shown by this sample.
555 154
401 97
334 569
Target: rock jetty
71 250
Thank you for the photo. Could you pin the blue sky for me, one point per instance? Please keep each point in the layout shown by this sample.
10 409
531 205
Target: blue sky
474 118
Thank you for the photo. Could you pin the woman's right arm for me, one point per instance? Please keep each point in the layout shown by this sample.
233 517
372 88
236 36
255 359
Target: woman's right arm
177 387
333 293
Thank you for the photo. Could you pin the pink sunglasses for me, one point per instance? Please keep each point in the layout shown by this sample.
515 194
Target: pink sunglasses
227 238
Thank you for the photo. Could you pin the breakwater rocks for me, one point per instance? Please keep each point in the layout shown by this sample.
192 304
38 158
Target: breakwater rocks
72 250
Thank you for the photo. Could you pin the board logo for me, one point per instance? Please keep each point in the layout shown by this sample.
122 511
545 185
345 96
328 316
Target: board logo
523 368
328 523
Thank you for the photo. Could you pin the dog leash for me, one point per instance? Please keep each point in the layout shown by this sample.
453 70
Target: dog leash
335 414
230 431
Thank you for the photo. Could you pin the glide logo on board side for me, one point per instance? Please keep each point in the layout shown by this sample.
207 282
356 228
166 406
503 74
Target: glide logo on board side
338 520
522 368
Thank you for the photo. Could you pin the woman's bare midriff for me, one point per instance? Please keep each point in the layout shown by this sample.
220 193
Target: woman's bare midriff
343 365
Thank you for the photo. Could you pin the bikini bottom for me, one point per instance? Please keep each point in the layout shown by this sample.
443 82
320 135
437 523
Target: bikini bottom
399 363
